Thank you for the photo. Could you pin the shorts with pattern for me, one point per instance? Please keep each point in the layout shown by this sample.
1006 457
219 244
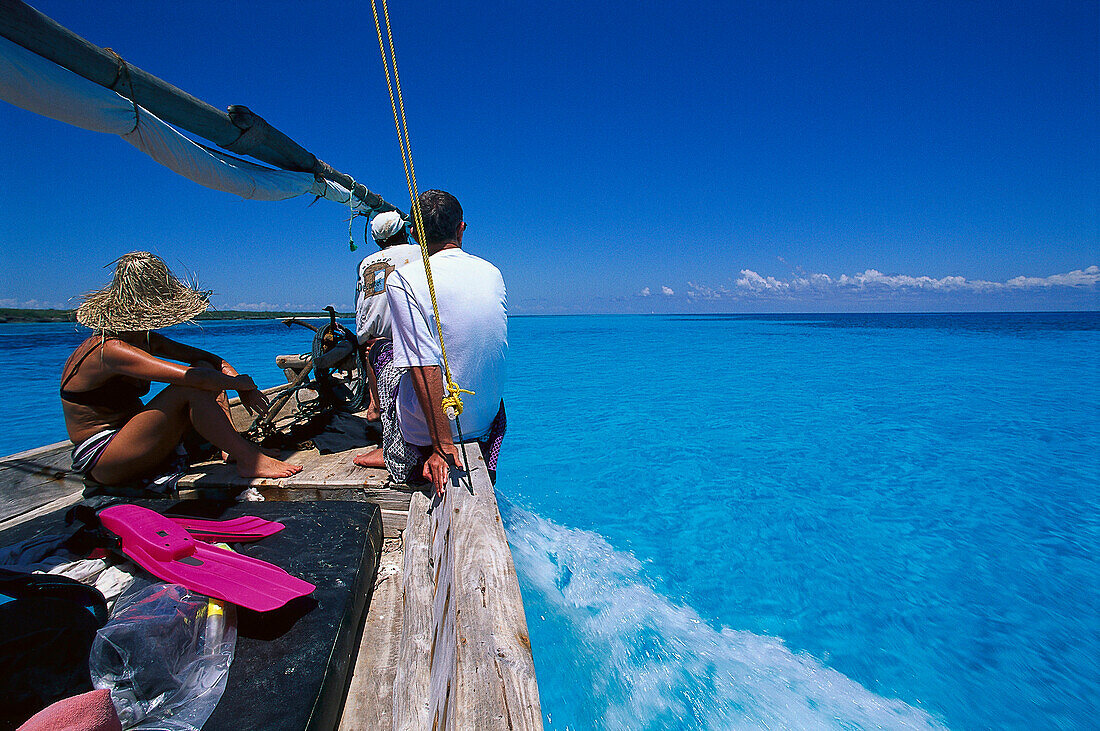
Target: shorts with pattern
402 459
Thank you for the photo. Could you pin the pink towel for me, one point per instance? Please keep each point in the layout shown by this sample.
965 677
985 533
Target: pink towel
90 711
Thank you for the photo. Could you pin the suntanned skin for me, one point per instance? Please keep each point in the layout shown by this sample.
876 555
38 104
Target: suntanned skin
428 385
372 412
148 433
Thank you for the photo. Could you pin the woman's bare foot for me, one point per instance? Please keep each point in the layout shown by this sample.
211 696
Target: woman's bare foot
230 459
258 464
372 458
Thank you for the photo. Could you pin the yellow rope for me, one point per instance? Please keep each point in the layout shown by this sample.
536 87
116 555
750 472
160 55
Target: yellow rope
452 402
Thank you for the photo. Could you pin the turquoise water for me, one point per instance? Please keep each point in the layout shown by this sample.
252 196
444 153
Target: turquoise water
849 521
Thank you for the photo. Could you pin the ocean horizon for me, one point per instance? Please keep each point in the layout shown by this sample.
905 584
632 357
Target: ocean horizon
842 520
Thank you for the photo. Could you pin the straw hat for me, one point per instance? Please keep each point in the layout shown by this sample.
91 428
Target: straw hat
144 295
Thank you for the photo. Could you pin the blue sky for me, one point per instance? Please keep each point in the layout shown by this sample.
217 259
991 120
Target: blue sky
610 157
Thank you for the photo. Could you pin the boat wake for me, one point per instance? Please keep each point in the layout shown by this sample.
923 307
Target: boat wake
625 656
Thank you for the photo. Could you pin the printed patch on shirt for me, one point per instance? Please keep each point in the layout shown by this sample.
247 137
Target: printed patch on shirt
374 278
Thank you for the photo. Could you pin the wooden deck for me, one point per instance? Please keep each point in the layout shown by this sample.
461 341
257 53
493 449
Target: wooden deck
323 477
444 644
38 481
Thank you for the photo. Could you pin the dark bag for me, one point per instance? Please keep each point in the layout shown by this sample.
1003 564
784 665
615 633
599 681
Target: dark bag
47 625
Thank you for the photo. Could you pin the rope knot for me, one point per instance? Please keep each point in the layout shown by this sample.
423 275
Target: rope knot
452 402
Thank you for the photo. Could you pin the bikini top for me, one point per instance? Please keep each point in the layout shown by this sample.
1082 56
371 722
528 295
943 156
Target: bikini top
115 392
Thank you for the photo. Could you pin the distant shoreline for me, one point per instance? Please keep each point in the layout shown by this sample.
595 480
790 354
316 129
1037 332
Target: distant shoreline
14 315
10 315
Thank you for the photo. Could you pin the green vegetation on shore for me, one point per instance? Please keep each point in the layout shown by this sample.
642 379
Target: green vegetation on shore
11 314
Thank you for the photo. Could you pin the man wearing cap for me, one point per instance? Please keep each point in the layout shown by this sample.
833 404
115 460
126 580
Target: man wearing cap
372 312
473 312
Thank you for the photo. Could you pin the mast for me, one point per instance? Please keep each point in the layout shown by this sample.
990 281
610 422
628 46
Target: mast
240 131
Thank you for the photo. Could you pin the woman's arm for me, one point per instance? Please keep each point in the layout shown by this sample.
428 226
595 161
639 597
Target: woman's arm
167 348
126 360
253 399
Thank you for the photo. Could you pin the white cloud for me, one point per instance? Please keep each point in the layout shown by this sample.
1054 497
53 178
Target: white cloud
753 282
35 304
871 282
701 291
257 307
667 291
874 278
644 292
1077 278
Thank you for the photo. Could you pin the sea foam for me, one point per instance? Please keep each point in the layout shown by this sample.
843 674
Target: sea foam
646 661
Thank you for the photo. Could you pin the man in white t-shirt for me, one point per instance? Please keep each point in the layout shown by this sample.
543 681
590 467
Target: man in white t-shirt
372 311
473 308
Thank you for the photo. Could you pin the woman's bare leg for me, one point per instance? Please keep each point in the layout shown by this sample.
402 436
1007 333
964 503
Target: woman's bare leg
142 443
151 435
223 401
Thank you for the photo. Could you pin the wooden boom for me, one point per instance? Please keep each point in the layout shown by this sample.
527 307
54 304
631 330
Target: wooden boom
240 130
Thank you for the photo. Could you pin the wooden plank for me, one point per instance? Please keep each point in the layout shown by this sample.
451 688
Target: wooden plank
337 469
35 478
45 509
393 522
51 465
495 672
442 684
62 502
383 497
37 453
278 493
480 672
410 688
22 494
295 362
220 474
369 704
216 473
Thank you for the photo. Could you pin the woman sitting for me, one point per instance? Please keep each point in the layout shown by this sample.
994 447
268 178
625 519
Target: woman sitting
120 439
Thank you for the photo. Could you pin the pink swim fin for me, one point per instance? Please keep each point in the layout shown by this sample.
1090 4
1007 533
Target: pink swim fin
235 530
166 550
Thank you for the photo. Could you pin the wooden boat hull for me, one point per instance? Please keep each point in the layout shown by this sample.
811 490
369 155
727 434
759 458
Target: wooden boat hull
445 642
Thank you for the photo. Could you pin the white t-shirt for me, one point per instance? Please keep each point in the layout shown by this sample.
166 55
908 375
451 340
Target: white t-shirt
372 312
473 306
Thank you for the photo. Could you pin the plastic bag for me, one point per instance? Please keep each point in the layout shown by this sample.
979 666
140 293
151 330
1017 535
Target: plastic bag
164 655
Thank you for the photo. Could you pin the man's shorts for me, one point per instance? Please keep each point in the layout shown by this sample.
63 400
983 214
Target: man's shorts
403 459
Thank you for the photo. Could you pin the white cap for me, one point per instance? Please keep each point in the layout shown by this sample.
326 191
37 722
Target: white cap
386 225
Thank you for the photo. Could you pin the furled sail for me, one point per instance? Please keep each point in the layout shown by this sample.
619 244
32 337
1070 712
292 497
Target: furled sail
70 91
29 81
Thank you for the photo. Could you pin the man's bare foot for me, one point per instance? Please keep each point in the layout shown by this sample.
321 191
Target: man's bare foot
258 464
372 458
